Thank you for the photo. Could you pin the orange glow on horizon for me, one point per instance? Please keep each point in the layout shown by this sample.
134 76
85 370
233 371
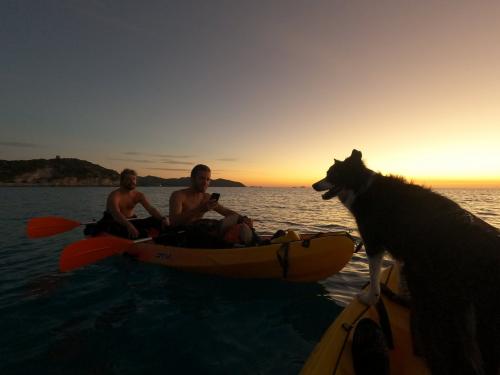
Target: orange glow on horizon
425 181
459 183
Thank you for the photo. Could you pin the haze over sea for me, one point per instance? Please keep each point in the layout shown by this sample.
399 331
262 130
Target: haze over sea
124 317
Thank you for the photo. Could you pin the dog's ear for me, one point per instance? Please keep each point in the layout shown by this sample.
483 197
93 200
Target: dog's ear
356 154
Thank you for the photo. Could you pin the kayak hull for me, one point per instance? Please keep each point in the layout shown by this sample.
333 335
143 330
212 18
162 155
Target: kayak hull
307 260
333 354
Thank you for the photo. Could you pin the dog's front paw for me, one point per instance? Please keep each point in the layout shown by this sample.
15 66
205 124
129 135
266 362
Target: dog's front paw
368 298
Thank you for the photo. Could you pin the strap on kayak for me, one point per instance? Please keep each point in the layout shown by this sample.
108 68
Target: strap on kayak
358 246
396 298
347 234
283 259
307 242
384 322
405 302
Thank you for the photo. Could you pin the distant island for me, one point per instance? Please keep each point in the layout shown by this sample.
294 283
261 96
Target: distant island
76 172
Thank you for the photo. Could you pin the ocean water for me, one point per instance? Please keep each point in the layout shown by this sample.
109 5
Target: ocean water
124 317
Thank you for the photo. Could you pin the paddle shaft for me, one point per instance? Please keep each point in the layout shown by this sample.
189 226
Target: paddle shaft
146 239
52 225
95 222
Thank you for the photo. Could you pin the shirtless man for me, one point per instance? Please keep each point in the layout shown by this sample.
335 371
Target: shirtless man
120 208
187 207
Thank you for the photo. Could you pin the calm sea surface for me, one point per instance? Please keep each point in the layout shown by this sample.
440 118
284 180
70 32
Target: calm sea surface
124 317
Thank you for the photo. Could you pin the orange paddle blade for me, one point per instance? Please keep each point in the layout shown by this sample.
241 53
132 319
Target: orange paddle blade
91 250
48 226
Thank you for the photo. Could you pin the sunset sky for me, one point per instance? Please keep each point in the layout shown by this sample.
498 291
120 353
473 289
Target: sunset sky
264 92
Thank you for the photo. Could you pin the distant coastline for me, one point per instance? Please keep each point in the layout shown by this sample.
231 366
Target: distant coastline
70 172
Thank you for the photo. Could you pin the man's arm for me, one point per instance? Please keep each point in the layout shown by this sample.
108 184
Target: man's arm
178 216
224 211
152 210
113 206
227 212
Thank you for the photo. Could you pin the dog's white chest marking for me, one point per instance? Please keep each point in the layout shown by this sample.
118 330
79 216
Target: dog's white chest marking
348 196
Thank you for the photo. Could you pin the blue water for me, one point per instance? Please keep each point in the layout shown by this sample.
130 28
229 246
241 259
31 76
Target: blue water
124 317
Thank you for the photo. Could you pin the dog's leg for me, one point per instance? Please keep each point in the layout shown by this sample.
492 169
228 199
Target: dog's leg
371 296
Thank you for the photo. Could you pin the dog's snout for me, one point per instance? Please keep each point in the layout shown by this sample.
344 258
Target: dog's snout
322 185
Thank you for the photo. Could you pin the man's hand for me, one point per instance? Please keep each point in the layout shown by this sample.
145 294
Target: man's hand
165 222
247 221
132 231
208 205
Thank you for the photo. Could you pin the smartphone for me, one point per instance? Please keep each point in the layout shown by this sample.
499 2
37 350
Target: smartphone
215 196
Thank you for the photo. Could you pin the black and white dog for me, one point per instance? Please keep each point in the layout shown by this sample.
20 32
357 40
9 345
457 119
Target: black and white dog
451 262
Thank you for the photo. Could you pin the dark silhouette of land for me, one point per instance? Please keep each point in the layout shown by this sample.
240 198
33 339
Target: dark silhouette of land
76 172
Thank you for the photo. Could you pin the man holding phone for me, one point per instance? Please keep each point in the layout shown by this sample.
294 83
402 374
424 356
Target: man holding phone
187 207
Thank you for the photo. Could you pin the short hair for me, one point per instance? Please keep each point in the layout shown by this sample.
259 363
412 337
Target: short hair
127 172
199 168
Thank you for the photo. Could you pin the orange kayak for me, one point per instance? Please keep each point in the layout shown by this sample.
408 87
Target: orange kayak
310 258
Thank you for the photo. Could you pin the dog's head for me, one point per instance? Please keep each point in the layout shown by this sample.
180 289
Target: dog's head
349 174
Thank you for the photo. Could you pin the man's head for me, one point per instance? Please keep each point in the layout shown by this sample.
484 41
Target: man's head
200 177
128 179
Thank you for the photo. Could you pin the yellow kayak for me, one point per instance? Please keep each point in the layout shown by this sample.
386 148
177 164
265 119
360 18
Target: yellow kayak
333 354
310 258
